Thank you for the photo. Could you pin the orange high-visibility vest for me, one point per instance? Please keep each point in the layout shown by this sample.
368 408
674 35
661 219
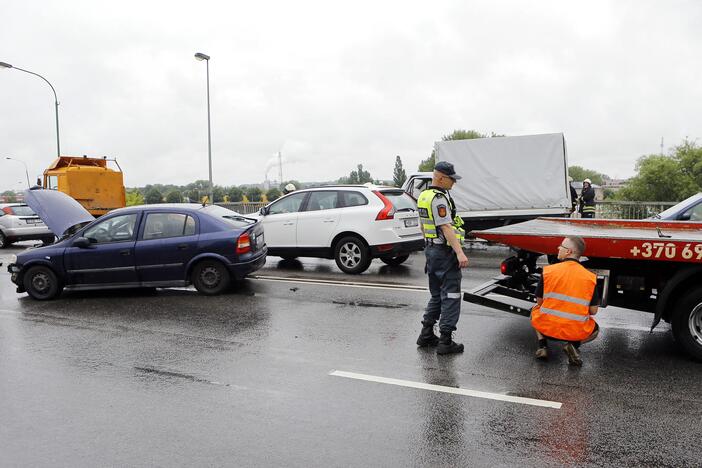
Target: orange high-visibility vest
565 311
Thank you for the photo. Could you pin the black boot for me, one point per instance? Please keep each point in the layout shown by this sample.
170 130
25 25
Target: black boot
427 336
447 345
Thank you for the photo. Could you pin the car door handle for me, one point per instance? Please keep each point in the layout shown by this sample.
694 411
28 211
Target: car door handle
182 246
328 221
125 253
288 224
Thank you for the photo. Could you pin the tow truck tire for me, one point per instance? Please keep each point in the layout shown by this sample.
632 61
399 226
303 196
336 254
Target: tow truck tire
210 277
3 241
351 255
687 323
41 283
394 261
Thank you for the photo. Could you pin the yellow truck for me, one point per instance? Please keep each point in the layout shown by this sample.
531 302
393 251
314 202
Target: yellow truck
89 181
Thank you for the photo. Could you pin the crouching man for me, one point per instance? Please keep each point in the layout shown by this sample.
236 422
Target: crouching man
566 299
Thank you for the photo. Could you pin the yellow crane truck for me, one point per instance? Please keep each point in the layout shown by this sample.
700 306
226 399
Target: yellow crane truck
89 181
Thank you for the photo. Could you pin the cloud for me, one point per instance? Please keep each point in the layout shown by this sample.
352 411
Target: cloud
332 86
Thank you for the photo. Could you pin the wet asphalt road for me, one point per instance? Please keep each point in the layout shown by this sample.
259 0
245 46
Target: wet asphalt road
172 378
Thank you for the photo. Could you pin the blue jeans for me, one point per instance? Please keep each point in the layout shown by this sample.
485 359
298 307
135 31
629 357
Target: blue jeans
444 286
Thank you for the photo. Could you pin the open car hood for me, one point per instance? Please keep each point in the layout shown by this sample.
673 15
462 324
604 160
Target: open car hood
59 211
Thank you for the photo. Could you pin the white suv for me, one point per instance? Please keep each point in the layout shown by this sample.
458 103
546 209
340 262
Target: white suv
350 223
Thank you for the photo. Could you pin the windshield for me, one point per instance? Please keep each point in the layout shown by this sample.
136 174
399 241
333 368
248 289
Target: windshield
231 217
401 200
21 210
673 210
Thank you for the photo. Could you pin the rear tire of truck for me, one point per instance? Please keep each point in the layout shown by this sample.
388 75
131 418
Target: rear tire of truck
3 241
41 283
394 261
687 323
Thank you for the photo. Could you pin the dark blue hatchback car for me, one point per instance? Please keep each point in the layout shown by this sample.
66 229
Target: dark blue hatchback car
142 246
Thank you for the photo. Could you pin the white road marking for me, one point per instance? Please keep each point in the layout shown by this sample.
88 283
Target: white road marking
455 391
347 284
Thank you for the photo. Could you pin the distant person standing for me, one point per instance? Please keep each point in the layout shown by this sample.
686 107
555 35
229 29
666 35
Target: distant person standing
443 237
587 200
567 297
290 188
573 196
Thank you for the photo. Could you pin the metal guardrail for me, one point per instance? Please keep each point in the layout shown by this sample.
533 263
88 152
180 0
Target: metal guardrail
604 209
629 210
243 208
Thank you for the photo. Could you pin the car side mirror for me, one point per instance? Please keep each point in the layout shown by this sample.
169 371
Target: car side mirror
263 211
82 243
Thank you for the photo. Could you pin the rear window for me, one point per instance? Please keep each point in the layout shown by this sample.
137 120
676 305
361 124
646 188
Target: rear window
22 210
230 217
401 200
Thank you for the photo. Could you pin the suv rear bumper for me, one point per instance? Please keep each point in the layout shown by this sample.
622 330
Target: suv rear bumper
399 248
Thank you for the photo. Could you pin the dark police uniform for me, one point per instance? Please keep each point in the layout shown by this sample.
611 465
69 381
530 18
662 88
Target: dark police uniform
436 207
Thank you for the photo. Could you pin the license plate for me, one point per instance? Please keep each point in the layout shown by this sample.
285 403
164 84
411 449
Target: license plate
411 222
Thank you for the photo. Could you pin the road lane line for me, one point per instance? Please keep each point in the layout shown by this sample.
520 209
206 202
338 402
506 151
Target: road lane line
453 390
390 287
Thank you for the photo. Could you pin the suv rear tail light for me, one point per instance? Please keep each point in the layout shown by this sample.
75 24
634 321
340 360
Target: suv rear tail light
388 211
243 244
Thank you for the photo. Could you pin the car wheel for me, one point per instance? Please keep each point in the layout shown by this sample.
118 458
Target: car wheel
3 241
210 277
394 261
687 323
351 255
41 283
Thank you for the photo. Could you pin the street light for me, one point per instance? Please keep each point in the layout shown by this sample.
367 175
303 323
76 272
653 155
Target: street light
26 171
200 56
58 143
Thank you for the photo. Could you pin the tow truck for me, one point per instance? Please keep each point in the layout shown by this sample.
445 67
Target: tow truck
652 265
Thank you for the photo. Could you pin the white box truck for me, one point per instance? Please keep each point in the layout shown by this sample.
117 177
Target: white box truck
506 180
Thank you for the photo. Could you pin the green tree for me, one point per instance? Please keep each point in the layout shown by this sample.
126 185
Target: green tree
134 197
174 196
359 176
218 194
689 157
659 178
579 173
153 196
235 194
10 196
427 165
399 176
253 194
273 193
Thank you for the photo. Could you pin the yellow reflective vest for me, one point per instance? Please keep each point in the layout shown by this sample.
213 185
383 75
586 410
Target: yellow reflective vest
426 216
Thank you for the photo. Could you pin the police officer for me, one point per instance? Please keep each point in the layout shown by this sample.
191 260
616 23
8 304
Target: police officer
443 236
290 188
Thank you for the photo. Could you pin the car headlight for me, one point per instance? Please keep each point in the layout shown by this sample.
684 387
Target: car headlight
13 259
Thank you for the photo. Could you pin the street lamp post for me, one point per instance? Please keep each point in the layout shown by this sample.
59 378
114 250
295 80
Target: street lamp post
200 56
56 103
26 171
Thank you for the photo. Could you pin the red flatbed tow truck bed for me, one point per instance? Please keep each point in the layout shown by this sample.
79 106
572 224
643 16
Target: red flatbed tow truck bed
649 265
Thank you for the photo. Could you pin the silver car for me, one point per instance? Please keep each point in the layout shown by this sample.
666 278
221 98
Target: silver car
19 223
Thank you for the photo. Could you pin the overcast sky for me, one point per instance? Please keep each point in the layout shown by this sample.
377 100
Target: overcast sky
333 84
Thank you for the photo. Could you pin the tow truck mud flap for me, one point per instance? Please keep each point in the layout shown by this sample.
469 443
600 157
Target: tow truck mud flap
492 293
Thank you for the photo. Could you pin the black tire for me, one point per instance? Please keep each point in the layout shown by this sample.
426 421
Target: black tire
210 277
41 283
351 255
394 261
687 323
3 241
